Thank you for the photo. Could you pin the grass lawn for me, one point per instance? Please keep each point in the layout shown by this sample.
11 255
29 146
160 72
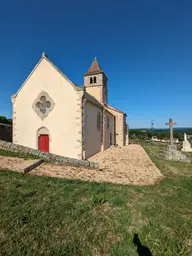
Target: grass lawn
49 216
4 152
168 168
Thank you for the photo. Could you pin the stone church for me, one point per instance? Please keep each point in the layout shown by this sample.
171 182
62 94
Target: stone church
52 114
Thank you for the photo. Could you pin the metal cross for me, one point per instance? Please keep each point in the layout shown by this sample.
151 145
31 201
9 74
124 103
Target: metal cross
171 123
43 104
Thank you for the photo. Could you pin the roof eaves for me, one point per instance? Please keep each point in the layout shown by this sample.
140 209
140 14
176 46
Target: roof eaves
15 95
63 75
109 112
44 56
115 109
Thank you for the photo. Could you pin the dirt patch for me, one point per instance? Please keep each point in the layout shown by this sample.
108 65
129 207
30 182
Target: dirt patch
126 165
129 163
11 163
14 163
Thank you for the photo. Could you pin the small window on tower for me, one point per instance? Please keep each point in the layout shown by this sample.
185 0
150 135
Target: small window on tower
95 79
91 80
98 121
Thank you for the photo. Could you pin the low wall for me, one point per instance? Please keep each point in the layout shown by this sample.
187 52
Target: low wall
6 132
47 156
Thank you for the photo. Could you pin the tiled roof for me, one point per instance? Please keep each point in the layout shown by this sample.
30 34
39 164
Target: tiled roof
94 68
115 109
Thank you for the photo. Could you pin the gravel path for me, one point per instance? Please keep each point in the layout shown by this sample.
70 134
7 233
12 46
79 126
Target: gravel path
129 164
126 165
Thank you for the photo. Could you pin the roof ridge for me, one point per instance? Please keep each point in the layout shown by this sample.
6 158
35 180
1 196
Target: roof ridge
115 109
44 56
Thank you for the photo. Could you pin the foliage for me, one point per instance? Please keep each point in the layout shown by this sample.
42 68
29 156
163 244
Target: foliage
5 120
147 134
49 216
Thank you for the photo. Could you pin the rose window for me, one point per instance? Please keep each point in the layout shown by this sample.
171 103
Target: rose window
43 105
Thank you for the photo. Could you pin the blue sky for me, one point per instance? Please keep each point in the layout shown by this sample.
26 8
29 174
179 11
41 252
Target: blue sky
144 47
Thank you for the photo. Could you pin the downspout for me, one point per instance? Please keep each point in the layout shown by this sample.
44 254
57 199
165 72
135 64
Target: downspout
84 124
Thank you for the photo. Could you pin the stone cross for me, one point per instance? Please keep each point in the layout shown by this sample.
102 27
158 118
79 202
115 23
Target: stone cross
171 123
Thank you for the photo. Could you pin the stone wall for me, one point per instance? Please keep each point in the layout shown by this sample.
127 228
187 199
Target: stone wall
120 127
47 156
6 132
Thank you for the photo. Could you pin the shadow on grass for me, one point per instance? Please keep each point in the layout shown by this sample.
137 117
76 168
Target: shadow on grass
142 250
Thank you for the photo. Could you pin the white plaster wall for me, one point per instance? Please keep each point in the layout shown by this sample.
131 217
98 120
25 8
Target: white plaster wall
96 89
99 78
93 136
61 121
108 130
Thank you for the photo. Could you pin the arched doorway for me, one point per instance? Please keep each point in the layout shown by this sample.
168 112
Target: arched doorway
43 139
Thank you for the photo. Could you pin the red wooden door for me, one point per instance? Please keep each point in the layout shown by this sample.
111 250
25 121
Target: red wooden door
44 143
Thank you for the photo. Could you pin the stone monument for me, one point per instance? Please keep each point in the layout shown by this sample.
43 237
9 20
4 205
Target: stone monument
172 153
186 145
171 146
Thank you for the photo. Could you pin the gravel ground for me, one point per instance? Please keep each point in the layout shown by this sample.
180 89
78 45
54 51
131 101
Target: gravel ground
122 165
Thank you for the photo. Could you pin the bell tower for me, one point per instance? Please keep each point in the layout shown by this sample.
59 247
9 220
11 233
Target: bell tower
95 82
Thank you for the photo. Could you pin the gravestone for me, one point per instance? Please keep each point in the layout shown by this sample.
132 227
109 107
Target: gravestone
172 153
186 145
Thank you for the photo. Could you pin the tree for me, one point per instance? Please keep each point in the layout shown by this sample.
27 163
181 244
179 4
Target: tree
4 120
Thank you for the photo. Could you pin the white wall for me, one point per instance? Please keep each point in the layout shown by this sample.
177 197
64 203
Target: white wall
61 122
93 136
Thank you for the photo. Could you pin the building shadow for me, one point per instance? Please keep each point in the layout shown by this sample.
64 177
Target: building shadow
141 249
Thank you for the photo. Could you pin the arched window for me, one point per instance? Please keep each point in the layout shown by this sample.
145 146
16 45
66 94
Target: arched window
107 122
98 121
91 80
95 79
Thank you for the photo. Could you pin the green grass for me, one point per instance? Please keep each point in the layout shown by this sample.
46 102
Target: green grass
189 155
4 152
50 216
168 168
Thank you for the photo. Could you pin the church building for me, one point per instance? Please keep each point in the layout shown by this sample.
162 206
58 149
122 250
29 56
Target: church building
52 114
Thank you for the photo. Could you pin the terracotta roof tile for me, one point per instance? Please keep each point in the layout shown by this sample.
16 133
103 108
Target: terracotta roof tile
94 68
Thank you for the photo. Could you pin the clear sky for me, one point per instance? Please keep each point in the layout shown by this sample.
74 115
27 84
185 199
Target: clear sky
144 47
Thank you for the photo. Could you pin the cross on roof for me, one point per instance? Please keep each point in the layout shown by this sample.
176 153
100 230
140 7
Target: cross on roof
171 123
